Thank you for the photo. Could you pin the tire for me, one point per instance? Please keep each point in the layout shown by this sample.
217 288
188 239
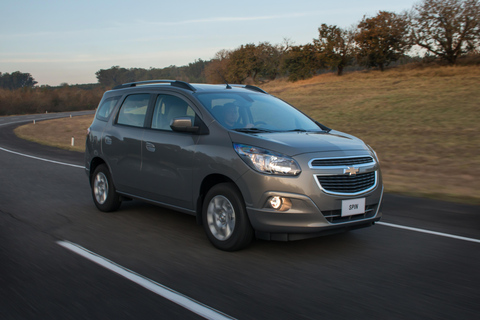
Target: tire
225 218
104 194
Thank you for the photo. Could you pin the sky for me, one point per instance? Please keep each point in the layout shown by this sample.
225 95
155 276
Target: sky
68 41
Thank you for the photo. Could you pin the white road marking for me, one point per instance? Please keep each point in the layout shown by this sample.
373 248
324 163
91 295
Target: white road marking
31 119
42 159
40 117
167 293
428 232
13 122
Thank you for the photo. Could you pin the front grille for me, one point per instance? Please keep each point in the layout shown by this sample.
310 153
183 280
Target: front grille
348 184
341 162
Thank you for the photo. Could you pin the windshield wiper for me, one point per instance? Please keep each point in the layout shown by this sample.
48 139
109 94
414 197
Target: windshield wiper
253 130
303 130
324 128
296 130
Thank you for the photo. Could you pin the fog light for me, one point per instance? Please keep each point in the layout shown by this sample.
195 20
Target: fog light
275 202
280 203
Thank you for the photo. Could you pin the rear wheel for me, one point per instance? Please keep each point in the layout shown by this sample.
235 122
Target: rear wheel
225 218
103 191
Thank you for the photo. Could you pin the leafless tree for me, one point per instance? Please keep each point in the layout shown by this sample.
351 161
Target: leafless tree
446 28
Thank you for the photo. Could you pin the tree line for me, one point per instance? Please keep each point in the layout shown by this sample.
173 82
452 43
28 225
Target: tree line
193 72
16 80
444 29
439 29
48 99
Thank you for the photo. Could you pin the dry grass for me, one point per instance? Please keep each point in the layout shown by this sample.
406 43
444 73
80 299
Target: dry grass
423 123
58 133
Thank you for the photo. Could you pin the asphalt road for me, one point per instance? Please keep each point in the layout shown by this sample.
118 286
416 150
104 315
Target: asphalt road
50 231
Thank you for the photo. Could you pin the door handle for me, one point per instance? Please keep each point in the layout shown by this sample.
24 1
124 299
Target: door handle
150 146
108 140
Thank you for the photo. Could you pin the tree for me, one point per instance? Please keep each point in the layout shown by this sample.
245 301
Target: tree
254 62
336 47
447 28
382 39
242 63
260 61
114 76
216 70
269 61
302 62
196 71
16 80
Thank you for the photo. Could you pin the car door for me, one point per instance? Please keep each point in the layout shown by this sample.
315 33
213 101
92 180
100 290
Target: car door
122 143
167 164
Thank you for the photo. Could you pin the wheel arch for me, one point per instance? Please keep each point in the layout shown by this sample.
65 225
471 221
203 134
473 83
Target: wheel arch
94 163
207 183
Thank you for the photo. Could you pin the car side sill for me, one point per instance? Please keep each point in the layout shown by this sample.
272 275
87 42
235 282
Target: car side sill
158 203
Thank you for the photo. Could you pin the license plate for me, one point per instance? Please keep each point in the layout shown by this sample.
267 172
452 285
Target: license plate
353 207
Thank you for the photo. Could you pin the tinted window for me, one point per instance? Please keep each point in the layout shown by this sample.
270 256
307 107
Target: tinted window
167 108
133 110
106 108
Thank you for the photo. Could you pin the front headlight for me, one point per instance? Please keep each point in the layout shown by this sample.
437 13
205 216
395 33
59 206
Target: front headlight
266 161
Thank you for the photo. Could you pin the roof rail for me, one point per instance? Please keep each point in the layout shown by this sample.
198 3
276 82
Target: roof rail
249 87
175 83
254 88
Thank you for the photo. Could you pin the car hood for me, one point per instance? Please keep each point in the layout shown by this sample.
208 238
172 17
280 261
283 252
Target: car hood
295 143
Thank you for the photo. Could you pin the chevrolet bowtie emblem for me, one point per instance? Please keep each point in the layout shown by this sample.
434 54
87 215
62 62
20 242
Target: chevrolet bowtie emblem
351 170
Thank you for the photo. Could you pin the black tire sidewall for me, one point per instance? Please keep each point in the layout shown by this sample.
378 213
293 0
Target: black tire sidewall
243 233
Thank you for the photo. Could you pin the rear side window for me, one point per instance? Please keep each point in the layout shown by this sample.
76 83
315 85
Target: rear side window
106 108
167 108
133 110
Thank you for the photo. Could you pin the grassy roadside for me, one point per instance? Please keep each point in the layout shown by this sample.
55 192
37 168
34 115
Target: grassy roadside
423 123
58 132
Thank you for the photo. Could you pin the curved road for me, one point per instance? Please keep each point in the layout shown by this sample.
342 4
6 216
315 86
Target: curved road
60 258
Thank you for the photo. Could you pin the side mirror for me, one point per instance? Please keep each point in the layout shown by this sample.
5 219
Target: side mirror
184 124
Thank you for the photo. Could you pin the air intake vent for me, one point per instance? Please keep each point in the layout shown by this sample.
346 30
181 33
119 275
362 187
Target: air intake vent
334 162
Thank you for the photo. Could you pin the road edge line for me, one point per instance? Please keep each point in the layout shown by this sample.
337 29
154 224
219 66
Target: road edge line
428 232
42 159
161 290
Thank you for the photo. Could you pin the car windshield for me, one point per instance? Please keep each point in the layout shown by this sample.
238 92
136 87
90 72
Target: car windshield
255 112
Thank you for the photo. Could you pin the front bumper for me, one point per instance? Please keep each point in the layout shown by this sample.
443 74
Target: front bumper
306 220
314 211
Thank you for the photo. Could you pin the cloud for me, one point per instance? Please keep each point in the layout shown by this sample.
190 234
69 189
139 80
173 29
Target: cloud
152 56
228 19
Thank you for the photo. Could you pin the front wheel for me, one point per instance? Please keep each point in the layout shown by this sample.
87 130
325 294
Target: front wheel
225 218
103 191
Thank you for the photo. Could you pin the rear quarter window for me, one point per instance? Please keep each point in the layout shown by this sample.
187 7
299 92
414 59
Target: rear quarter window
106 108
133 110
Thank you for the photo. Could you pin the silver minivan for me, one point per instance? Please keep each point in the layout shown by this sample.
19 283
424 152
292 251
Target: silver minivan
245 163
